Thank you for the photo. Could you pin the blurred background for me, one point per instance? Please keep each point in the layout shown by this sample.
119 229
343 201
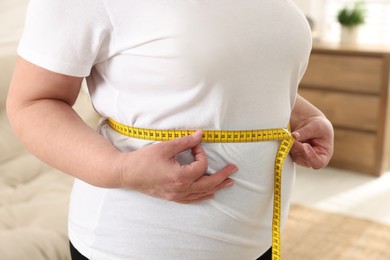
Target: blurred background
348 79
340 212
375 29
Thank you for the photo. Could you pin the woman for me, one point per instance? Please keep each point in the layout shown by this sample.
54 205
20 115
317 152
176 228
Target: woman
167 64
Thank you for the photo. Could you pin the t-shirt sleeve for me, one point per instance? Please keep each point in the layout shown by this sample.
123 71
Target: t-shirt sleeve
66 37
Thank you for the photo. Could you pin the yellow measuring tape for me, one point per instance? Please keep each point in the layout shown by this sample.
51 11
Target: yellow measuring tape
230 136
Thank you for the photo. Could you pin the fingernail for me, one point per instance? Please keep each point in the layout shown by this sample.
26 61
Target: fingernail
306 147
229 183
234 170
197 134
296 135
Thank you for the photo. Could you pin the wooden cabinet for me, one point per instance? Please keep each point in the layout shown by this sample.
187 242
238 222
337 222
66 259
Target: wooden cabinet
351 86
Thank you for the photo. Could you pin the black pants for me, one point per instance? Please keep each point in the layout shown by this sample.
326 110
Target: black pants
266 256
76 255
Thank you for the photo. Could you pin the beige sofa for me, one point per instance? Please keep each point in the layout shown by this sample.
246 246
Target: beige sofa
33 196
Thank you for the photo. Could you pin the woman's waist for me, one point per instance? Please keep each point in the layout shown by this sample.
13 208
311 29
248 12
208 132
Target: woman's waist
249 156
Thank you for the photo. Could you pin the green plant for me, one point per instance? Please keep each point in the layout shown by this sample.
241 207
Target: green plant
352 16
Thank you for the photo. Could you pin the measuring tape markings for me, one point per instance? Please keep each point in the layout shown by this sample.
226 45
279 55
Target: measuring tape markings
283 150
208 136
233 136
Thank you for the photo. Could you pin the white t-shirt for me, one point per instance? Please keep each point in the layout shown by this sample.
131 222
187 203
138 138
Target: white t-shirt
178 64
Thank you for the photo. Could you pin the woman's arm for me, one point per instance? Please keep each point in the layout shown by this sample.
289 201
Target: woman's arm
39 107
313 133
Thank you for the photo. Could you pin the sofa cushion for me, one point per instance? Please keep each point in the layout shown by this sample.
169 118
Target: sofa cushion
7 64
32 243
33 210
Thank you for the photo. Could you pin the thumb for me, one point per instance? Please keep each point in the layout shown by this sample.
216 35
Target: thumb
182 144
305 133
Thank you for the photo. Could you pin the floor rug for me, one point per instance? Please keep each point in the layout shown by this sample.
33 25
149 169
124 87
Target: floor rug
312 234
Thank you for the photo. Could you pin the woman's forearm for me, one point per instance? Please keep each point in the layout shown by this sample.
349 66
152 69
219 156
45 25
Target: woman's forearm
303 110
39 107
52 131
313 132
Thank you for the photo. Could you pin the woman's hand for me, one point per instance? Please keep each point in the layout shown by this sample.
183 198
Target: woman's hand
154 170
313 133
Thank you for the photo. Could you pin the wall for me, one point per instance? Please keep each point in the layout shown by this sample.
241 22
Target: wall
12 14
315 10
304 5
